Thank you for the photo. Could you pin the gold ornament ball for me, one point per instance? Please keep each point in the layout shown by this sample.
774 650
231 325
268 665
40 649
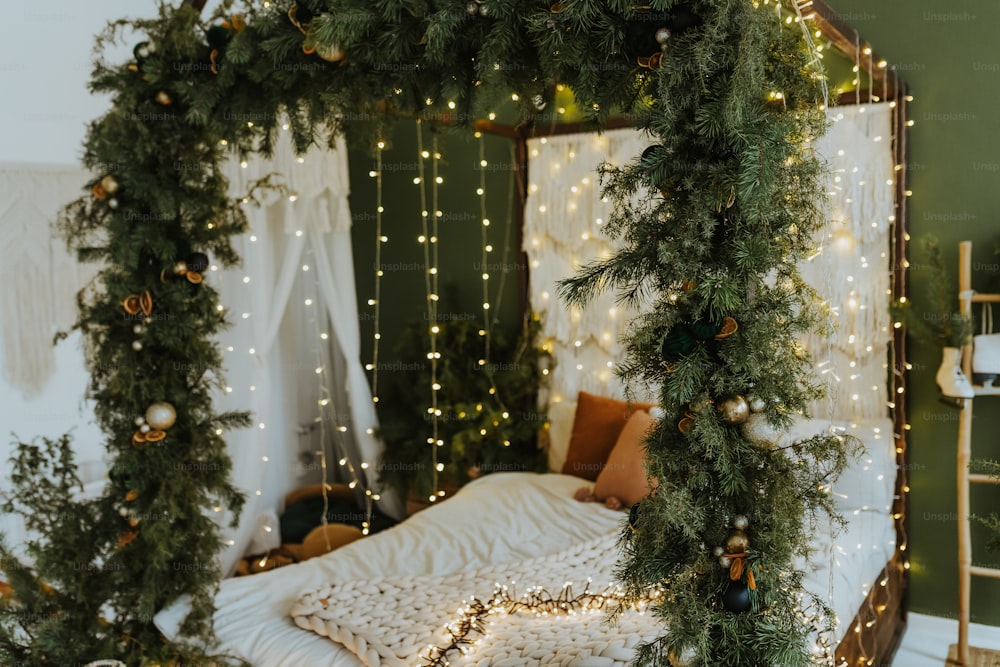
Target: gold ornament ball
163 98
758 430
737 542
330 52
734 409
109 184
161 416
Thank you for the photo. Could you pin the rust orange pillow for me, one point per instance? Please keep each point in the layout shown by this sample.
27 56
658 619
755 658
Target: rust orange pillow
596 426
624 475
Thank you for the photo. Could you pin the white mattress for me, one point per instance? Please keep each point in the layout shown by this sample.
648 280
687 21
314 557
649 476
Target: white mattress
508 517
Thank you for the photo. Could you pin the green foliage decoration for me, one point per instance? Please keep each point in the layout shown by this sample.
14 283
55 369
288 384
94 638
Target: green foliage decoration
739 190
942 324
992 521
490 417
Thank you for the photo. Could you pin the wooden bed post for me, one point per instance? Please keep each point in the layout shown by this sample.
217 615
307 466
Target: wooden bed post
964 455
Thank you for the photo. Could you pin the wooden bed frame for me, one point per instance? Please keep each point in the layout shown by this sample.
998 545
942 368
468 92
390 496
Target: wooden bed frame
877 629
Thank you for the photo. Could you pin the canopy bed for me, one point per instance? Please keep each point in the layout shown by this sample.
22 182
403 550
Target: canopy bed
518 568
528 528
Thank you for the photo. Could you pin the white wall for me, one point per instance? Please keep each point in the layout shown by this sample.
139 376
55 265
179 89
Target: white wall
45 63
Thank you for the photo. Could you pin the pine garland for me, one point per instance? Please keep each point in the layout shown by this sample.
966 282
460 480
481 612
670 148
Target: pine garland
738 207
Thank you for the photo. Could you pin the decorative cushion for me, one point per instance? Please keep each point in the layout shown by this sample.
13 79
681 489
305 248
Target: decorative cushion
624 475
596 426
327 538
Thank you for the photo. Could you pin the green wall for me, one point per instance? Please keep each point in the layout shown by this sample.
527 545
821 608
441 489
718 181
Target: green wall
948 55
459 255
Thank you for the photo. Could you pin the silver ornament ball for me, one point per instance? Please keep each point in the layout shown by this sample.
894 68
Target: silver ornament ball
734 409
718 551
112 203
687 658
484 10
662 35
137 345
180 268
472 8
757 404
145 428
725 561
137 329
741 522
759 432
123 512
539 102
140 420
161 415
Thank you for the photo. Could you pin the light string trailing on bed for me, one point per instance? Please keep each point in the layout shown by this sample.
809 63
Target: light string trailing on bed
471 625
429 239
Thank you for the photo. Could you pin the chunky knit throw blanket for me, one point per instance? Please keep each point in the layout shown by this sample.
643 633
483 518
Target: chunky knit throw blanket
400 621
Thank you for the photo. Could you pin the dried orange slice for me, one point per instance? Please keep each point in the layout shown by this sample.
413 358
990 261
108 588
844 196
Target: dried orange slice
131 304
685 424
131 495
655 60
138 437
127 538
729 327
146 302
193 277
155 436
98 191
642 61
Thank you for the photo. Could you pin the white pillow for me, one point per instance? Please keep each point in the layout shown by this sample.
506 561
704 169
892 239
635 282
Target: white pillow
868 482
561 417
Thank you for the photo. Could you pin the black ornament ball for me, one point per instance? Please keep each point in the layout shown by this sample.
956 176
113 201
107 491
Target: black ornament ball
683 18
737 597
633 517
217 37
197 262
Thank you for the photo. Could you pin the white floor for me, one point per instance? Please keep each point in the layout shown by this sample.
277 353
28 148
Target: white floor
927 638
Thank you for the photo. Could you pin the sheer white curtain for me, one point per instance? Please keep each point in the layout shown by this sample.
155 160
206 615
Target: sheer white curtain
563 218
295 339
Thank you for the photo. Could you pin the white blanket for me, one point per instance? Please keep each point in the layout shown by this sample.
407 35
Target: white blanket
401 618
509 518
501 518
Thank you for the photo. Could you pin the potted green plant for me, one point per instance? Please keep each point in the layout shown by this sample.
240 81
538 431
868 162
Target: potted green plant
944 324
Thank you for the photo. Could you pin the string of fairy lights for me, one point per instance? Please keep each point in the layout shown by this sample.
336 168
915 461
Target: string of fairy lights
326 409
428 240
471 626
376 301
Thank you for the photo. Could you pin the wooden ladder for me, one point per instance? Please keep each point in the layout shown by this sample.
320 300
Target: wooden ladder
966 570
